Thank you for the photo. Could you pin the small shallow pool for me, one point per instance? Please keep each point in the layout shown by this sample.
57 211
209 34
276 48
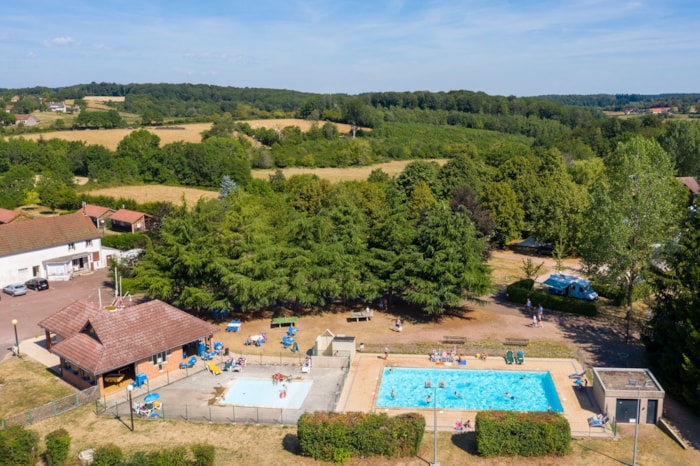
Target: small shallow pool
474 390
263 393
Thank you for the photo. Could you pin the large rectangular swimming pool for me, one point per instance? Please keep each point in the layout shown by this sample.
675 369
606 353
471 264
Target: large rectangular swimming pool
474 390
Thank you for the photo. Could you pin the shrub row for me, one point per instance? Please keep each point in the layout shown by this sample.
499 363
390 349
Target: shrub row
510 433
112 455
125 241
520 291
339 436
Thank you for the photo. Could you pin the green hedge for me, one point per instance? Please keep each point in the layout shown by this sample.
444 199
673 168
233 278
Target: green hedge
57 447
521 290
126 241
510 433
18 446
340 436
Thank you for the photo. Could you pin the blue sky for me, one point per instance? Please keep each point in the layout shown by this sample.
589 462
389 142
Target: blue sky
516 47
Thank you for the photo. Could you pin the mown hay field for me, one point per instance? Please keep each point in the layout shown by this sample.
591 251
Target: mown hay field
335 175
157 193
192 132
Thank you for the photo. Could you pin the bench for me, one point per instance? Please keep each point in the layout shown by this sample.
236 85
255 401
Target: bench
517 341
361 315
454 340
283 321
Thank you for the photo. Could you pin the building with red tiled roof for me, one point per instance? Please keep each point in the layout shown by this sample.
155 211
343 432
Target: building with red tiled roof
129 220
54 248
691 183
98 214
7 216
26 119
108 348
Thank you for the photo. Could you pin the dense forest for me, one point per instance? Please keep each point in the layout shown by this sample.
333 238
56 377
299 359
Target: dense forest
599 187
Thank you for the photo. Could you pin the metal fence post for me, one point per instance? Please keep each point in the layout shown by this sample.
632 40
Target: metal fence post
257 415
77 399
210 418
233 413
187 417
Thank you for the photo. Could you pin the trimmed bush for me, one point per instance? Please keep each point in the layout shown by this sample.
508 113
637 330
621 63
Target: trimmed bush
108 455
509 433
204 454
18 446
338 437
125 241
521 290
176 456
57 447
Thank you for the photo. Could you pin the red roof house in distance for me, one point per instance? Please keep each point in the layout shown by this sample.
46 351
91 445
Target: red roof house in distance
108 348
26 119
7 216
129 221
98 214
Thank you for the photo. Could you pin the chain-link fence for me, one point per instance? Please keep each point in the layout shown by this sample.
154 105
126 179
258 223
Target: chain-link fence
53 408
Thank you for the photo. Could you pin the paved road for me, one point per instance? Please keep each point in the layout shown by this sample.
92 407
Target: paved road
35 306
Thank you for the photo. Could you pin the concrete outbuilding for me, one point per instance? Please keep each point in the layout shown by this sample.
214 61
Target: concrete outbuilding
628 395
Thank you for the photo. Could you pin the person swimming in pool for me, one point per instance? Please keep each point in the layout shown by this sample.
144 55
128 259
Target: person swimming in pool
459 395
393 394
428 399
508 395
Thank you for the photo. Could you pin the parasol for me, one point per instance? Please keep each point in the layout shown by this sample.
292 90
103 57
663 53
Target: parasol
151 397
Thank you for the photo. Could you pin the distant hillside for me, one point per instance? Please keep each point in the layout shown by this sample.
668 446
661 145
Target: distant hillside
683 103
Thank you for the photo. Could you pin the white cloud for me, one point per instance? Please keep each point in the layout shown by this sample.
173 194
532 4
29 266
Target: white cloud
60 41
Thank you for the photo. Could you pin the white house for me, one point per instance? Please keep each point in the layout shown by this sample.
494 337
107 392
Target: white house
54 248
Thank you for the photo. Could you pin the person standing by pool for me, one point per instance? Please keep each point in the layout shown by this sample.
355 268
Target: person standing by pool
386 352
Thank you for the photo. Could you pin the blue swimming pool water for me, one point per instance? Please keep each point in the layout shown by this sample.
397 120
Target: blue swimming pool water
480 390
264 394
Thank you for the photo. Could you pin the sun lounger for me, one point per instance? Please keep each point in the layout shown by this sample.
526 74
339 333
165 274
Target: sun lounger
520 357
577 375
213 368
598 421
287 341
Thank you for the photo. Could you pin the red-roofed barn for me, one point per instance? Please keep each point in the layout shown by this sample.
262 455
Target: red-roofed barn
129 220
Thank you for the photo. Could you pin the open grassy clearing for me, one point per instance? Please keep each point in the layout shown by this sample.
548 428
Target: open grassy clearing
110 138
25 384
336 175
156 193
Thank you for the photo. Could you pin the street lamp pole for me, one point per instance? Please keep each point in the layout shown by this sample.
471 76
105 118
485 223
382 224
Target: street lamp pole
435 461
130 388
14 324
636 427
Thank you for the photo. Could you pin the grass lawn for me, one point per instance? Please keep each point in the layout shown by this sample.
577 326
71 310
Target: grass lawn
27 384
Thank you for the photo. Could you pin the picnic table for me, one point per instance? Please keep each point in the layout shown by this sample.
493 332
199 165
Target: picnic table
361 315
283 321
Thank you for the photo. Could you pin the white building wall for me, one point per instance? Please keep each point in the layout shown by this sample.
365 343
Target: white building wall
19 268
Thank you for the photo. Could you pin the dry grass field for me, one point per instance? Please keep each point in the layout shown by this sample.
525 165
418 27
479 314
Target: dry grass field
335 175
103 98
192 132
110 138
156 193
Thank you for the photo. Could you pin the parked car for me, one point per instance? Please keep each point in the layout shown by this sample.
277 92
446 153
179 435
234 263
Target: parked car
37 284
16 289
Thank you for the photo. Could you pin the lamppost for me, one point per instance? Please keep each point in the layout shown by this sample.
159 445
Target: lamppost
130 388
636 427
14 324
435 461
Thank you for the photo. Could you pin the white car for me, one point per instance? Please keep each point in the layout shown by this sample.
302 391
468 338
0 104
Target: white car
16 289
